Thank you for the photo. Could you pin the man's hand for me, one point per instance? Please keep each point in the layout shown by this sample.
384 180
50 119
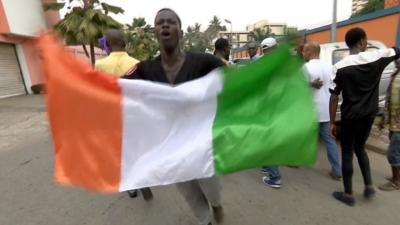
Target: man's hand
317 83
333 130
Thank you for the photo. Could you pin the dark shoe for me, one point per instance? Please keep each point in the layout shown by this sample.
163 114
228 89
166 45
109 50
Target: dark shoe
218 214
132 193
369 192
147 194
335 177
340 196
272 183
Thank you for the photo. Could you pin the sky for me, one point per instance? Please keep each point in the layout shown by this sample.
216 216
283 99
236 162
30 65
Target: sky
300 13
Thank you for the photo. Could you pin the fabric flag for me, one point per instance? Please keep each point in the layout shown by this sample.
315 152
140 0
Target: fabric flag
115 134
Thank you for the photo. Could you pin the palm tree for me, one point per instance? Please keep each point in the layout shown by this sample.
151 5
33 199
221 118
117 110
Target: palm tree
213 29
85 22
260 34
194 39
140 39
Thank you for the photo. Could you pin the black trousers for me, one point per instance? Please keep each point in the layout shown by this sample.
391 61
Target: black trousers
354 135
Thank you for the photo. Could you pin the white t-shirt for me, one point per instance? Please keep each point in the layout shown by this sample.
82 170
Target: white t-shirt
315 69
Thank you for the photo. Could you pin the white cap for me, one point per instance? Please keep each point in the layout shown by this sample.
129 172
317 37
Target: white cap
268 43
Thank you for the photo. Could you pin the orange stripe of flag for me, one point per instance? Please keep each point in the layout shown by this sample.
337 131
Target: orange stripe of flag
84 110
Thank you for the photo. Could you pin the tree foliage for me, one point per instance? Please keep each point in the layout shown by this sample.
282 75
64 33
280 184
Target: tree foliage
259 34
85 21
194 39
371 6
140 39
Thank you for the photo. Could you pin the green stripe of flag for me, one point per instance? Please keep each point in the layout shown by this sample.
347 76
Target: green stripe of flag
265 116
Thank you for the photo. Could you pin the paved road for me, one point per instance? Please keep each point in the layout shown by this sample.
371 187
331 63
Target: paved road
29 197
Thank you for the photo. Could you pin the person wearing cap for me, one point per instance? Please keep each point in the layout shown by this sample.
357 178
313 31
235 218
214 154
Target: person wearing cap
268 45
273 175
252 51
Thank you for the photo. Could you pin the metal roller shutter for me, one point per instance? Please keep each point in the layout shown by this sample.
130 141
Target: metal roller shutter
11 82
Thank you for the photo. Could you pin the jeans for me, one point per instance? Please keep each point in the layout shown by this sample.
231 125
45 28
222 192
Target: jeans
331 148
394 149
353 137
274 173
199 194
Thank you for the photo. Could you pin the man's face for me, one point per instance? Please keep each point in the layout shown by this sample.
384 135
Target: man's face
252 50
167 30
306 53
227 52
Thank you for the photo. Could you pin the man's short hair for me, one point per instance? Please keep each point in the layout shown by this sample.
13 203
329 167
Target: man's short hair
176 14
354 35
221 44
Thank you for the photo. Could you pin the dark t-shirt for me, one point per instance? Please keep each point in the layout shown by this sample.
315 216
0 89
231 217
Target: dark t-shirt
357 77
195 66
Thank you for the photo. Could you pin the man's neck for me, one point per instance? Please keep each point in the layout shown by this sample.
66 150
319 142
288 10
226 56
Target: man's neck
314 57
118 51
219 55
354 51
171 57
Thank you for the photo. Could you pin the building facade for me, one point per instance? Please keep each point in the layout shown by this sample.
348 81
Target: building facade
20 22
278 29
382 25
236 38
391 3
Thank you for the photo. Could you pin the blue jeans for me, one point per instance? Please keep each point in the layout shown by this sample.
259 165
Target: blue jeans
331 148
274 173
394 149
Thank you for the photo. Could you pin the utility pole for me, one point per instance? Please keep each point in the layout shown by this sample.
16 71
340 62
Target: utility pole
334 20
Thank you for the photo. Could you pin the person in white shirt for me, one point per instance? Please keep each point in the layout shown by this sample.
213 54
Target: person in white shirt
319 74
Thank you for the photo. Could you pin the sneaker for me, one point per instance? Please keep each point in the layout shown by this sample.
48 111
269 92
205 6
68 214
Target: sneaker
335 177
272 183
132 193
390 186
348 200
369 192
218 212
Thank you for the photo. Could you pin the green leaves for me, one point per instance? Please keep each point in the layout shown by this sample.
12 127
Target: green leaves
111 8
371 6
259 34
53 6
141 43
195 40
85 23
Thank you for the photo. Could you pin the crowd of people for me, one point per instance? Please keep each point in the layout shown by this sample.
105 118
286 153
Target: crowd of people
356 78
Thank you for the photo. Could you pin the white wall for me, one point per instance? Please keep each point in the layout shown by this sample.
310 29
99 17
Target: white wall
25 17
24 68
